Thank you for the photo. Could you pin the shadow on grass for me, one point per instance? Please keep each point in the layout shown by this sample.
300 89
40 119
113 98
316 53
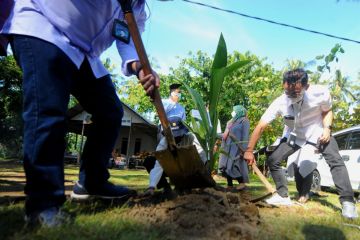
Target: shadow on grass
12 226
90 207
12 185
11 221
326 203
317 232
129 177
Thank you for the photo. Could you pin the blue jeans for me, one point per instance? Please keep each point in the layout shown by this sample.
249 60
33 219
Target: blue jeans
49 77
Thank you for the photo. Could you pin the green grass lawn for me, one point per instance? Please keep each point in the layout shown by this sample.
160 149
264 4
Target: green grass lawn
318 219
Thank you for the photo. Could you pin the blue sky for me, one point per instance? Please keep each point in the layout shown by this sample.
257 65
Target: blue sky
177 27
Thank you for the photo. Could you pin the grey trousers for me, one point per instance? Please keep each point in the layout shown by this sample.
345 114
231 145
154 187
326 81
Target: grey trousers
330 153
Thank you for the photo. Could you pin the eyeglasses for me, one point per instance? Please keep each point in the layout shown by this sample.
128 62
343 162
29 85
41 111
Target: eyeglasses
297 83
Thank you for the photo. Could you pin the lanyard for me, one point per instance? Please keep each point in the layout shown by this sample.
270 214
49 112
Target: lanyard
297 112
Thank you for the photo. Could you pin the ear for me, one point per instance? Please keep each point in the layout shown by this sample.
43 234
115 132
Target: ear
307 86
284 85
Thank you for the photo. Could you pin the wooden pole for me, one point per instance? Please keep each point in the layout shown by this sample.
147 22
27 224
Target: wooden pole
128 145
81 142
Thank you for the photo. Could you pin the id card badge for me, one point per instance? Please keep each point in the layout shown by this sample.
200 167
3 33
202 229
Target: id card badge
289 121
120 31
292 139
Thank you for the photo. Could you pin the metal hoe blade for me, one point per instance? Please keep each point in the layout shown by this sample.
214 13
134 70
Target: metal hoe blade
184 168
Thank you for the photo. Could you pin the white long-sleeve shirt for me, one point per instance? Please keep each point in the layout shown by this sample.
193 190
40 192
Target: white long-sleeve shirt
79 28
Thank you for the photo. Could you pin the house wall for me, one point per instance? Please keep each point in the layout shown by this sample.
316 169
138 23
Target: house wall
148 142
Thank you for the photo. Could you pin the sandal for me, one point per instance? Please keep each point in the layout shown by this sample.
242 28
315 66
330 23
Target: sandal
303 199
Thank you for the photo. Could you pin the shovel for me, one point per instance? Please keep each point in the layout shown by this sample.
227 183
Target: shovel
263 179
181 164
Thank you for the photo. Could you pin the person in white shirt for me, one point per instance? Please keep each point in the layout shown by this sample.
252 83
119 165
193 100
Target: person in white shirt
310 109
58 45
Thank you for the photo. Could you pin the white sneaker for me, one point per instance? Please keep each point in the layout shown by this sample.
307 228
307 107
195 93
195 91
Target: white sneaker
349 210
277 200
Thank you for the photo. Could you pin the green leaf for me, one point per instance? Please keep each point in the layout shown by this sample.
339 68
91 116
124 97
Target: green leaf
200 106
320 68
327 59
199 132
335 49
216 82
233 67
319 57
220 59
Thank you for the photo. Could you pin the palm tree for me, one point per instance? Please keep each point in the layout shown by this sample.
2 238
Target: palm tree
343 88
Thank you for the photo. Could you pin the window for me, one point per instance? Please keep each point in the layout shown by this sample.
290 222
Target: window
341 141
137 146
354 141
124 144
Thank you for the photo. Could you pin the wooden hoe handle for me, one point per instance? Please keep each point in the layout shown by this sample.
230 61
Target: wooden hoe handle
156 99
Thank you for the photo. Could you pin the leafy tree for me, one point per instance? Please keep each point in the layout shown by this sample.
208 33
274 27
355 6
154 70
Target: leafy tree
344 93
328 59
343 86
255 86
11 125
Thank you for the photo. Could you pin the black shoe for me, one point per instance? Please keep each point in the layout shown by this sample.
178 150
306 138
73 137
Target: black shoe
51 217
106 191
168 193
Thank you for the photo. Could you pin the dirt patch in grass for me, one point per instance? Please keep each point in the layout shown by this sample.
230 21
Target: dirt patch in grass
199 214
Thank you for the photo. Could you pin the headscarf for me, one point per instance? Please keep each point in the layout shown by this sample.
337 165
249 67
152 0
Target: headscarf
240 112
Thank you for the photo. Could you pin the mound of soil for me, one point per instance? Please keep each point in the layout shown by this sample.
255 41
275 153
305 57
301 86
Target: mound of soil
199 214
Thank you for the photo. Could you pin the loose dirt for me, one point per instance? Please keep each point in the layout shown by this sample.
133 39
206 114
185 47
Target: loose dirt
200 214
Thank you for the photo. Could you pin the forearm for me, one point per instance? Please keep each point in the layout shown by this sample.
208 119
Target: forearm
134 67
327 119
256 134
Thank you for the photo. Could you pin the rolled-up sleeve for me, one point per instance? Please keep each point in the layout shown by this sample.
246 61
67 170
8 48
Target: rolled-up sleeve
128 51
326 102
272 112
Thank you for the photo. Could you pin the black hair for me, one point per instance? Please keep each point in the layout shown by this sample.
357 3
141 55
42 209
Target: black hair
174 86
296 75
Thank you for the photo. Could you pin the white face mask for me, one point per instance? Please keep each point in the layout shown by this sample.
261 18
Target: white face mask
233 114
298 98
175 94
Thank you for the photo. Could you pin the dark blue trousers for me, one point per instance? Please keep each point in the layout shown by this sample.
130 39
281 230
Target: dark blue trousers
49 77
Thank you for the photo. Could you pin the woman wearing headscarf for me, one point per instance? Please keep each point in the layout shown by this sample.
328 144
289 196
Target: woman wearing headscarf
231 162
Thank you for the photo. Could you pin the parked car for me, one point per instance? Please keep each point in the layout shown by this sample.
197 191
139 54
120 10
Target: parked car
349 146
